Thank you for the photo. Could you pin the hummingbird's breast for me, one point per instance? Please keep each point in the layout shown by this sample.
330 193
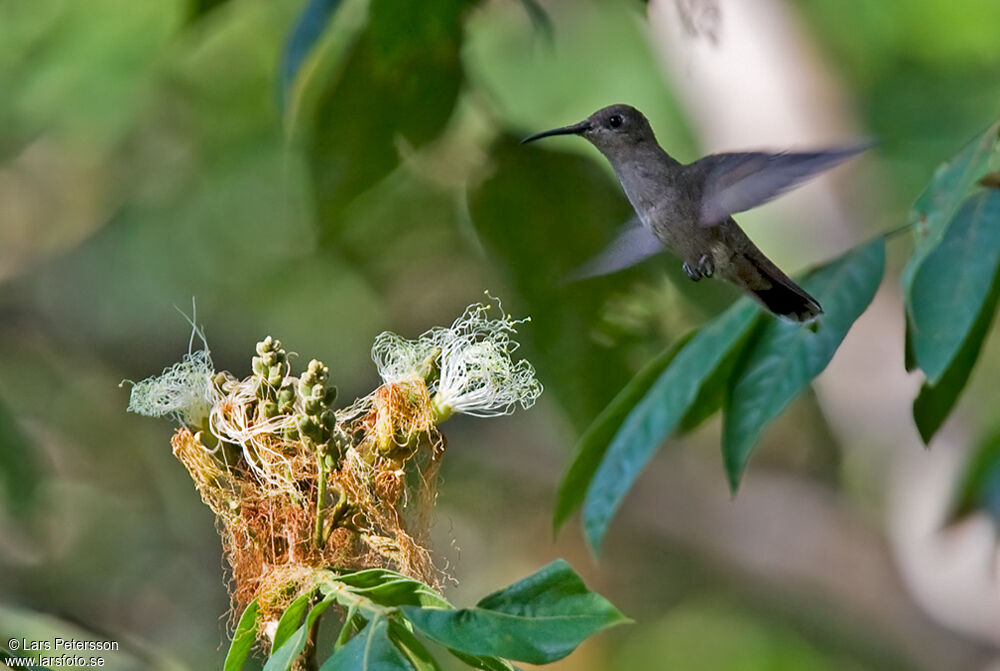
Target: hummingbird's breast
651 187
667 203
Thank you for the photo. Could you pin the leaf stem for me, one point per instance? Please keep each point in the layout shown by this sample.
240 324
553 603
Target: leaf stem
899 229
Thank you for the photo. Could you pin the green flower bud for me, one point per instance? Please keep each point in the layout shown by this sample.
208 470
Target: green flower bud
309 428
313 406
286 398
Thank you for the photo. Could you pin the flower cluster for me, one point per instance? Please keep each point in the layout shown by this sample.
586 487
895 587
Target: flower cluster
468 366
298 486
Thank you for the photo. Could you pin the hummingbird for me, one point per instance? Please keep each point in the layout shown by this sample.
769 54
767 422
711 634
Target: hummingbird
687 208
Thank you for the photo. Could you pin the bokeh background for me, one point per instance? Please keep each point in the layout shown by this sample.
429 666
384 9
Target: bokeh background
156 151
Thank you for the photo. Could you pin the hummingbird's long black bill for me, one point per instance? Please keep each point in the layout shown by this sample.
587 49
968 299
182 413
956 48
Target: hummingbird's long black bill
575 129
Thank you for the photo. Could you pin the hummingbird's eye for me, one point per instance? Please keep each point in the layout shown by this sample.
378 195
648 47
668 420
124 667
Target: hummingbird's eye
615 120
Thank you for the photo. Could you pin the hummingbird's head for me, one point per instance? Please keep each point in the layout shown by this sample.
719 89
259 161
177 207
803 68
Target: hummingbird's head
610 129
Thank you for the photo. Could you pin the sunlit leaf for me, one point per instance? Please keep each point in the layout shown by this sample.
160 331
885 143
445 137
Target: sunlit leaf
243 638
284 657
369 650
659 412
291 620
595 440
539 619
388 588
784 357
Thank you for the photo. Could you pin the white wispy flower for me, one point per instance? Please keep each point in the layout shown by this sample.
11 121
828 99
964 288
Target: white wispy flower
476 374
399 359
183 391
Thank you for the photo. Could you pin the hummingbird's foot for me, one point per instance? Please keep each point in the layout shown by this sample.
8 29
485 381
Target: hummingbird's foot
706 266
693 273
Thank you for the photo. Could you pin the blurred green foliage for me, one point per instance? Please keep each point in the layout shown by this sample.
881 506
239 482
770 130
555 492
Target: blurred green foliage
978 488
718 636
20 471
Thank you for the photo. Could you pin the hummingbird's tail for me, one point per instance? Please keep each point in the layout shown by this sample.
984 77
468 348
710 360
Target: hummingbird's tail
776 291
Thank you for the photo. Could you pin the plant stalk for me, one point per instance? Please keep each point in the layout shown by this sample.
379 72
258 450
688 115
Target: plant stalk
320 498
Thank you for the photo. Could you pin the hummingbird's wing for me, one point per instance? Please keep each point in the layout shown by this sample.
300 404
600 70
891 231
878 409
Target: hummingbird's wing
634 243
738 182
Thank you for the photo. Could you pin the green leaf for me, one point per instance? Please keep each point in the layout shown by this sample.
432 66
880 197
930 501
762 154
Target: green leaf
935 402
484 662
322 65
306 32
659 412
19 470
540 215
420 659
948 290
243 638
539 619
595 440
370 650
290 620
388 588
713 391
368 590
784 357
934 210
284 657
405 73
952 183
979 486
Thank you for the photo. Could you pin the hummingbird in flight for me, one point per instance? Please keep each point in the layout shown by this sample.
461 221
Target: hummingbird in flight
687 208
